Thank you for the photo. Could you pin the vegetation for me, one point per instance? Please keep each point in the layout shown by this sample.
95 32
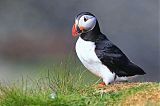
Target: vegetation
68 85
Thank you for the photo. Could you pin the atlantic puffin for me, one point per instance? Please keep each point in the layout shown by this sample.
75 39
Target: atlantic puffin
98 54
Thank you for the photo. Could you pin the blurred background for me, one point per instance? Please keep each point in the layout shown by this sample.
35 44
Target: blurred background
35 33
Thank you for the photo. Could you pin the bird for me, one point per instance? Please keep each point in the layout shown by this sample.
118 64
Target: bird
98 54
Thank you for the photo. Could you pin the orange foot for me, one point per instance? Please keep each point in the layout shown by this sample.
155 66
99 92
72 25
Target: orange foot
101 84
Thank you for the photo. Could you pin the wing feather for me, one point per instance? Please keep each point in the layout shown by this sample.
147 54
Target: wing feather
115 59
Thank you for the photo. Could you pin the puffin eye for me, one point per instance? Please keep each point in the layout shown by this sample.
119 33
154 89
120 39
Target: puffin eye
85 19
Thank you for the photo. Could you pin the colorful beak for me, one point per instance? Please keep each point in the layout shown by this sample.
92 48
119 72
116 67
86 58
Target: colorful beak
74 31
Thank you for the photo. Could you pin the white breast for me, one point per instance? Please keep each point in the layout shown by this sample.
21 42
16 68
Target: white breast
86 53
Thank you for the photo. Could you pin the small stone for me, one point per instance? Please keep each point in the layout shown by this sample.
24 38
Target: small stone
53 95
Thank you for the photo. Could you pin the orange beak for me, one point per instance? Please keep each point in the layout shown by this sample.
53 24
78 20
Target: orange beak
74 31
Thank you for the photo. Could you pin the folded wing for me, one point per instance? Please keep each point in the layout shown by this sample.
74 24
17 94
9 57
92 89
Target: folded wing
115 59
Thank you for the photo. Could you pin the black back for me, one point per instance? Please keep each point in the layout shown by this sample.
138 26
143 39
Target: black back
111 56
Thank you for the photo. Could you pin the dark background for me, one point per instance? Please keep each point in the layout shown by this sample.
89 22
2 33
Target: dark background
35 30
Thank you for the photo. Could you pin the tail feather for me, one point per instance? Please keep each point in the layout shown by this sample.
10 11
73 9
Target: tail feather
135 70
129 70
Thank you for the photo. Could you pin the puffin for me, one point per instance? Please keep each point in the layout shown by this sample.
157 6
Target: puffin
98 54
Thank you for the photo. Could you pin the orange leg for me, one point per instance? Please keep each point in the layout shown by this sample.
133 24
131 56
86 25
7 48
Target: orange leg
101 84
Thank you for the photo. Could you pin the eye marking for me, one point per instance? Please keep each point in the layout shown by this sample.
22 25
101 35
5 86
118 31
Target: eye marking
85 19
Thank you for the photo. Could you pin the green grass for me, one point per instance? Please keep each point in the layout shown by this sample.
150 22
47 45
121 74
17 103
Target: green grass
73 86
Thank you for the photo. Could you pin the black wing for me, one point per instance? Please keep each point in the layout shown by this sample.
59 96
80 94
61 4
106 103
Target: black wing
115 59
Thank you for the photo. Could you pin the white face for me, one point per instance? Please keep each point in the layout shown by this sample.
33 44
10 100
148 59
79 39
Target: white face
86 22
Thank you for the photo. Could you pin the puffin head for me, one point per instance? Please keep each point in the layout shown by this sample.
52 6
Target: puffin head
84 22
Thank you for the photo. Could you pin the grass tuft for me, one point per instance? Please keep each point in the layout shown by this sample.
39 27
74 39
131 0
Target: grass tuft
73 86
